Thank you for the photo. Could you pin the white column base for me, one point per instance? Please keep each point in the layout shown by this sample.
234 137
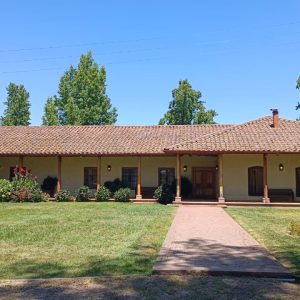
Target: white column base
138 197
266 200
221 200
177 200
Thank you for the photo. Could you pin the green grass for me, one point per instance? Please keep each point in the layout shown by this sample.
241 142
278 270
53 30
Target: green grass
270 227
80 239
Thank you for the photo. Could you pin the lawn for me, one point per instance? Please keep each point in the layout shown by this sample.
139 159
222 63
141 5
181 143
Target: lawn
270 227
80 239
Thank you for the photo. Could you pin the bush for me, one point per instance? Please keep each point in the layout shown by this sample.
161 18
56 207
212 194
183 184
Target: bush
26 187
63 196
49 185
83 194
103 194
122 195
164 194
113 186
294 228
6 189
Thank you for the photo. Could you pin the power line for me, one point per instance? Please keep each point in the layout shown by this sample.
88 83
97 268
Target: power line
78 45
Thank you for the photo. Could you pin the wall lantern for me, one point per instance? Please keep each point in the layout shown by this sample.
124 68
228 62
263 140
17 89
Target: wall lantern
217 167
184 168
281 167
108 168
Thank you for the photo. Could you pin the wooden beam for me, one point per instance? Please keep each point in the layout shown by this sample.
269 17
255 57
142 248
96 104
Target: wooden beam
139 179
266 198
178 178
220 169
21 161
58 188
98 173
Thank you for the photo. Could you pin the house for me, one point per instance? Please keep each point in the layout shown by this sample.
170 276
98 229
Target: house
223 162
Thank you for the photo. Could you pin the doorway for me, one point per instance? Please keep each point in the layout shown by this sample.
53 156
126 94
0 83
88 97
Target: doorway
204 183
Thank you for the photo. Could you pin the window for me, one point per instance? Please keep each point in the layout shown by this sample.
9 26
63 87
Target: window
166 176
255 181
129 177
298 182
90 177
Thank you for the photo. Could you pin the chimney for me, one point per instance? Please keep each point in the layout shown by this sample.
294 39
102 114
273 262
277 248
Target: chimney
275 118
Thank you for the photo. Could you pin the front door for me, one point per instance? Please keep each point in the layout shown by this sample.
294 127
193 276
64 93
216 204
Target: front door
204 183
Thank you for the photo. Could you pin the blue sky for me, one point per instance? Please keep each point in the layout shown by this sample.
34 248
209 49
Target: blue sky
242 55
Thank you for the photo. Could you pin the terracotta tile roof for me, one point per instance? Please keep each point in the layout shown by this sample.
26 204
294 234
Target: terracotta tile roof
97 140
257 136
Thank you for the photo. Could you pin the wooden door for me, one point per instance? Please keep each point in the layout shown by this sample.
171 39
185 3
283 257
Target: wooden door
204 183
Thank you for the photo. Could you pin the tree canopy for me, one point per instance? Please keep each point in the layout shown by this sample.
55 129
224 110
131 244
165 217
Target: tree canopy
82 98
17 105
186 108
50 116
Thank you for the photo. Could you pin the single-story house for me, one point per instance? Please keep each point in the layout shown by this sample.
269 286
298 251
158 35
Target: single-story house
253 161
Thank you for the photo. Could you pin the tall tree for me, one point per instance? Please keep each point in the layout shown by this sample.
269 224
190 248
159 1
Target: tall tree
298 87
17 106
82 97
50 116
186 108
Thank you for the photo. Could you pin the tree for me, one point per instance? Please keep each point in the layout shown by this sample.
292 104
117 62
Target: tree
50 116
17 108
298 87
82 97
186 108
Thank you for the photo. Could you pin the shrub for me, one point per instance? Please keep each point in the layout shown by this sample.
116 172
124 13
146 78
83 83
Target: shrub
103 194
113 186
83 194
122 195
26 187
6 189
63 196
294 228
164 194
49 185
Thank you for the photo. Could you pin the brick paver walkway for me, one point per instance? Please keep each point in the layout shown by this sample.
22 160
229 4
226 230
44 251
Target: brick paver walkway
206 239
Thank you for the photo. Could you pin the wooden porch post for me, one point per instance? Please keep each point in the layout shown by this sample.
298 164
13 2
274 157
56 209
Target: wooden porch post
98 172
58 174
221 189
266 198
178 178
138 190
21 161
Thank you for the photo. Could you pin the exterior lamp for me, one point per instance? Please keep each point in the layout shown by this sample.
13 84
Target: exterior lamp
217 167
281 167
108 168
184 168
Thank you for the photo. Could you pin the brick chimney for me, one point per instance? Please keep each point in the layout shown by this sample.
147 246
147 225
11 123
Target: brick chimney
275 118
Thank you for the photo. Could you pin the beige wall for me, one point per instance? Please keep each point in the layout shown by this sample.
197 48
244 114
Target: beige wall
235 170
236 173
72 167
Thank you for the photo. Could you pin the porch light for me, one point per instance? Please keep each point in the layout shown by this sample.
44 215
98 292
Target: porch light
281 167
108 168
184 168
217 167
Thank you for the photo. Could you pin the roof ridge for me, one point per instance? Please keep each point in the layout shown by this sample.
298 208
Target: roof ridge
219 132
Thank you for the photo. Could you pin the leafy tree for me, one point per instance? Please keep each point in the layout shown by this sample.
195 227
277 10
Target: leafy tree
17 106
50 116
82 97
186 108
298 87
